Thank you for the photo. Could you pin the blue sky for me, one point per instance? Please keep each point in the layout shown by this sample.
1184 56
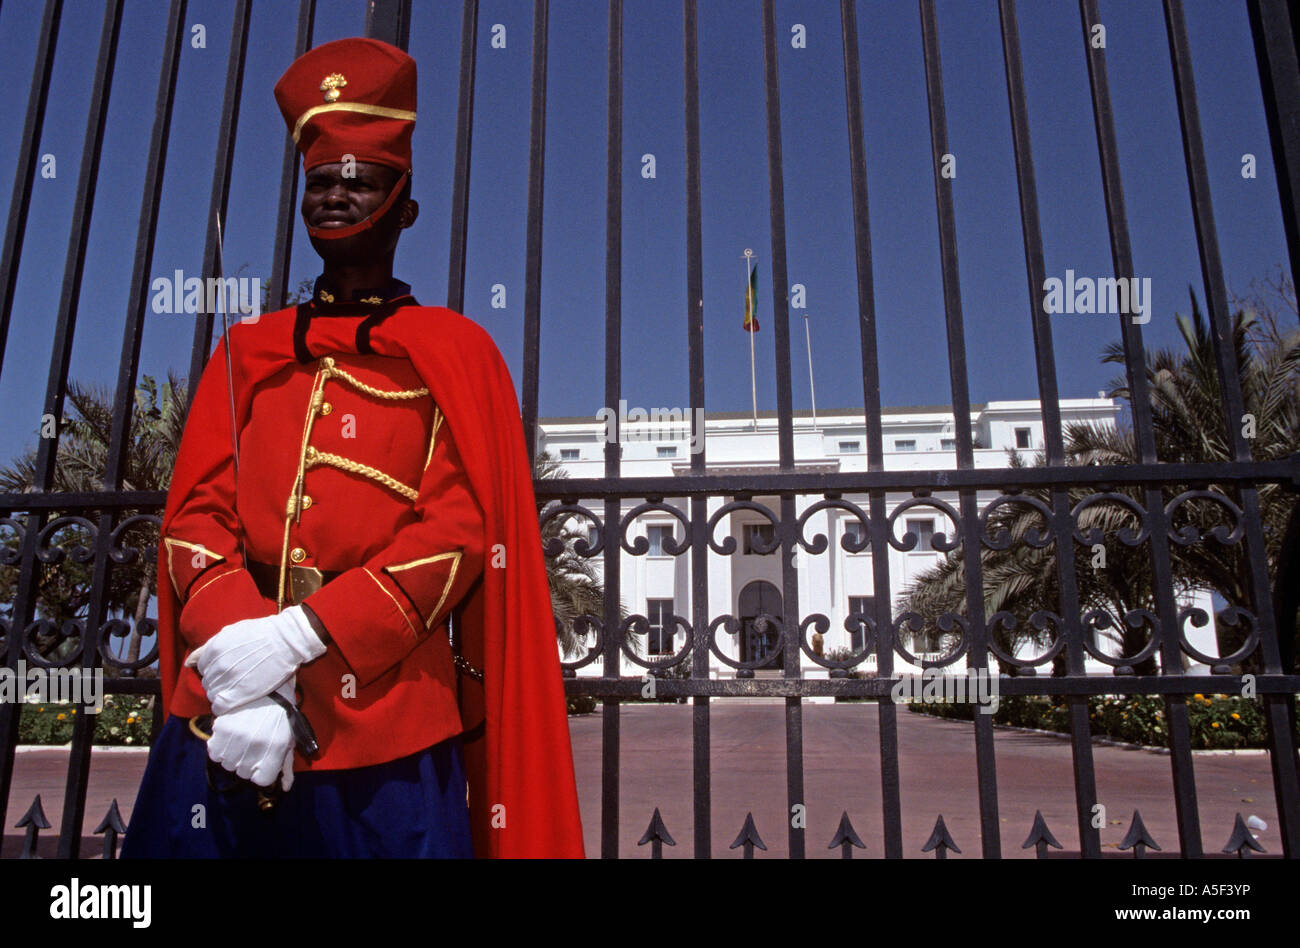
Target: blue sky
906 261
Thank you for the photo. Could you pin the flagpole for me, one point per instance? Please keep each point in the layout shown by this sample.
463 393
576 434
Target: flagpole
811 385
753 307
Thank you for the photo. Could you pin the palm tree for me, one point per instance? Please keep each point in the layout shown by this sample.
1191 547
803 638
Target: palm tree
1189 427
576 588
82 457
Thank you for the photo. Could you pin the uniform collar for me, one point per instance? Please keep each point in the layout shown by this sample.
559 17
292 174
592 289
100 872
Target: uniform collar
326 299
375 305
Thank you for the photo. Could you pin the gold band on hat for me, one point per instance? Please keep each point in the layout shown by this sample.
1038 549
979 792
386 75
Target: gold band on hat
382 111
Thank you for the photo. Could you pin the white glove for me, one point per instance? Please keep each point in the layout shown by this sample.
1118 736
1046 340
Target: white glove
256 741
251 658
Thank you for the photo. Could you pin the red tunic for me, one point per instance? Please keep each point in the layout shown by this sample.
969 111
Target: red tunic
416 489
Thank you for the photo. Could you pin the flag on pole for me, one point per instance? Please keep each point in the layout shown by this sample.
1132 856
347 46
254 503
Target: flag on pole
751 303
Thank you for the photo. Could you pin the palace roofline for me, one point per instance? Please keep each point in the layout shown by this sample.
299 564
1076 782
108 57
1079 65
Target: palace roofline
976 407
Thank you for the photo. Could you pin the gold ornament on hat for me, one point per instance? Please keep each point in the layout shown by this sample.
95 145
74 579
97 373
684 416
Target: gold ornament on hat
331 84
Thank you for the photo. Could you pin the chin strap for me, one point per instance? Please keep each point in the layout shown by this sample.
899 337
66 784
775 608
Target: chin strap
336 233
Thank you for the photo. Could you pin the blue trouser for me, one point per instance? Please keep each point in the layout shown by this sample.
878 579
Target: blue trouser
411 807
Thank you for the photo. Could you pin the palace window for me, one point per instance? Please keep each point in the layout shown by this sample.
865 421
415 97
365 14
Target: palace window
764 530
863 606
923 527
657 533
659 612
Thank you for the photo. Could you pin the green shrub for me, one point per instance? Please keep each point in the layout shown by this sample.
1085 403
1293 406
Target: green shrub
581 704
1216 721
125 720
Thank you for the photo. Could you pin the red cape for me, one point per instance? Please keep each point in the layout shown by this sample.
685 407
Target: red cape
523 797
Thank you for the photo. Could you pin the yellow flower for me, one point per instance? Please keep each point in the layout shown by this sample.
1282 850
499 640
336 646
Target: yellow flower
1236 716
1214 724
1199 697
130 720
62 716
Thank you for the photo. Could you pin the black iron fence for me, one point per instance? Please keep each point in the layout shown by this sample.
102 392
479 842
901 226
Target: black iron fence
110 518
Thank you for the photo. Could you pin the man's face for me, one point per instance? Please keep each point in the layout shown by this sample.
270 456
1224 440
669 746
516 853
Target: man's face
332 199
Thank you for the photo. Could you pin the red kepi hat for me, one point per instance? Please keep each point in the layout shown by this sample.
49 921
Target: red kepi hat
351 97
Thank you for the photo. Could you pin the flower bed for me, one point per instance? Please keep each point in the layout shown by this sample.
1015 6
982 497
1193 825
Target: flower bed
125 720
1216 721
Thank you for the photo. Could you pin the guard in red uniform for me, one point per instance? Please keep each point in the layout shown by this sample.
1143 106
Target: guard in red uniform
380 491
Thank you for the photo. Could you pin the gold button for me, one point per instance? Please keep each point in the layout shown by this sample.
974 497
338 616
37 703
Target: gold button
310 453
297 554
306 501
326 408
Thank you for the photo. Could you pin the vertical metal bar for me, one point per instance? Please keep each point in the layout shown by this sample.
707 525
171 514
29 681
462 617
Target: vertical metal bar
15 231
1180 734
785 428
220 192
1282 753
460 173
1085 782
613 382
977 658
1117 221
533 253
60 356
286 219
776 204
700 711
25 169
891 811
390 21
1279 78
74 799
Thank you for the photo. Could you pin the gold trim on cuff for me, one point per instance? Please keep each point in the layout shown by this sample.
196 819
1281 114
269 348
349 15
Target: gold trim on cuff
455 557
198 547
395 602
214 579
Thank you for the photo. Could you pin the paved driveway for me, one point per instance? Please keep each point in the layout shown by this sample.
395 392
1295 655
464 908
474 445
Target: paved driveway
842 768
936 772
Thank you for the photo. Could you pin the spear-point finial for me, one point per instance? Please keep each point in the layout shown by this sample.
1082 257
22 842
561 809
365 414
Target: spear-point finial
1040 836
1137 838
1242 840
749 837
846 838
940 841
656 835
34 820
112 827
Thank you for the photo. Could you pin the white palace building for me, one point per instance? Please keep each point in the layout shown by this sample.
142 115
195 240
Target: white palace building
835 582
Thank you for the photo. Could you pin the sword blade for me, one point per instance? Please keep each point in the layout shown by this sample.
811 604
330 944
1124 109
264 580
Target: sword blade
225 328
